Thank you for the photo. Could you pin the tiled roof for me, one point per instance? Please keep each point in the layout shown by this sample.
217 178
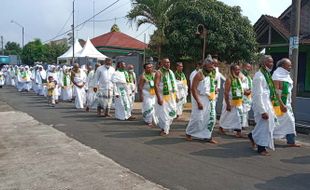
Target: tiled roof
119 40
278 25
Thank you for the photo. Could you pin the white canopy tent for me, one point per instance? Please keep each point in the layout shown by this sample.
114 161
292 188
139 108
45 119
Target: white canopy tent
89 51
69 54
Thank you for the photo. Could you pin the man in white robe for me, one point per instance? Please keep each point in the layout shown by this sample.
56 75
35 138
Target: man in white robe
40 79
165 89
232 109
147 95
284 85
65 84
122 91
203 116
103 77
2 79
132 85
264 109
91 83
247 84
182 88
78 78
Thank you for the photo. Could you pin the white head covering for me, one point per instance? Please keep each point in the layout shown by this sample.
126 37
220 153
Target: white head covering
208 60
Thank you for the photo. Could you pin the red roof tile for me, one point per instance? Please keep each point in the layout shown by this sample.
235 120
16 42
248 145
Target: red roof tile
118 39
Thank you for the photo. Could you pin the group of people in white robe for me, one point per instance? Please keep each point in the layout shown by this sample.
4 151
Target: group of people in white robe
164 93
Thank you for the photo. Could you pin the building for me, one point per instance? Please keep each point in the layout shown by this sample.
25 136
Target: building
121 47
272 34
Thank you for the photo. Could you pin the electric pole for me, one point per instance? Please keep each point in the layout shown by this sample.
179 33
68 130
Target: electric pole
293 48
73 40
2 45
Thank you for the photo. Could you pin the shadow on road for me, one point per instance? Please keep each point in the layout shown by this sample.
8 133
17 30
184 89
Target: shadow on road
298 160
229 150
296 182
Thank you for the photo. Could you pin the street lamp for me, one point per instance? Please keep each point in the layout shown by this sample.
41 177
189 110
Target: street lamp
23 31
202 33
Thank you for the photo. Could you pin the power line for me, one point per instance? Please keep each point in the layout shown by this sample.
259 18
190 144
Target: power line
64 24
111 19
143 31
84 21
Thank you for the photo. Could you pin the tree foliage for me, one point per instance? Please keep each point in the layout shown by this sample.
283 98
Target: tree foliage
36 51
155 12
229 34
12 48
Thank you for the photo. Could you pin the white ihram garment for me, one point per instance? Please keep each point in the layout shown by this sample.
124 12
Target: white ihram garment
287 120
202 122
263 131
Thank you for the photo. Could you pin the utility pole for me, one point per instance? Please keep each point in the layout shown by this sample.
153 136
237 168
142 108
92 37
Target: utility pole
73 40
2 45
144 49
293 48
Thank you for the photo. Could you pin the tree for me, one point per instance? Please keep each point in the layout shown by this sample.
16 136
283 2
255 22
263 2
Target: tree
155 12
12 48
229 34
32 52
53 50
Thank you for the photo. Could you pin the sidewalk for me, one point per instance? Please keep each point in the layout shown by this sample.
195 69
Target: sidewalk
36 156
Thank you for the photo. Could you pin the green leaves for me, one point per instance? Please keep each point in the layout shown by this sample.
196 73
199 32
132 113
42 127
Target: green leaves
36 51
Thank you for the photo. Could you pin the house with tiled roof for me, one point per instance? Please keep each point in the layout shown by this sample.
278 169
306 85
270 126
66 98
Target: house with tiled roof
272 34
116 43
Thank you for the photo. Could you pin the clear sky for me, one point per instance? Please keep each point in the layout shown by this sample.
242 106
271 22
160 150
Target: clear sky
45 19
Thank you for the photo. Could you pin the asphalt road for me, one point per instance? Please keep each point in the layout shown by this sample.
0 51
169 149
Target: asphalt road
171 161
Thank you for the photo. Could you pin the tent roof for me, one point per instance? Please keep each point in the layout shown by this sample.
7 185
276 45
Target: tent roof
89 50
69 53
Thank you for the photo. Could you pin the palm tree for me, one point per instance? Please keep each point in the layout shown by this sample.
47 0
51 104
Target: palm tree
155 12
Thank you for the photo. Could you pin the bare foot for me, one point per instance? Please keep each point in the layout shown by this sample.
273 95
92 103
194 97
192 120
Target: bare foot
188 137
212 141
150 125
221 130
265 153
162 133
253 145
107 115
294 145
240 135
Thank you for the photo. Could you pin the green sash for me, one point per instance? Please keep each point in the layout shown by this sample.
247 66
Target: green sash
273 96
167 73
285 92
236 91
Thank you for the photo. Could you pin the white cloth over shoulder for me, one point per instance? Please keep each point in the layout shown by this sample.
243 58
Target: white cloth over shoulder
287 120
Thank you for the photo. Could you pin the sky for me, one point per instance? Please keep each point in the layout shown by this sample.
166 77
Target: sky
45 19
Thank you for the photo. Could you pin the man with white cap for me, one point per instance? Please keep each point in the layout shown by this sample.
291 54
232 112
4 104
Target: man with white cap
203 116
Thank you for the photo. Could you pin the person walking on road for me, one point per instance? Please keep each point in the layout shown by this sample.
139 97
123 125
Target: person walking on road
203 116
284 85
266 107
182 88
232 109
103 77
165 89
147 95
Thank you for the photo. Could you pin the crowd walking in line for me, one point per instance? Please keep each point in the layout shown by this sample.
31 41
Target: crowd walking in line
164 93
